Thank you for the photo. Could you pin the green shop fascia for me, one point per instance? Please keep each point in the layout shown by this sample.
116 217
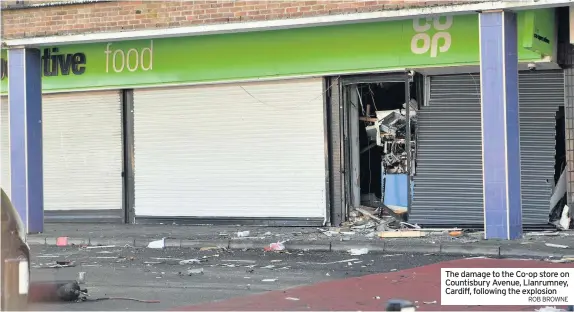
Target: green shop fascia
365 47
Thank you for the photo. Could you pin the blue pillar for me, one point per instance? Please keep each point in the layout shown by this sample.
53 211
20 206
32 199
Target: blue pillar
25 97
500 125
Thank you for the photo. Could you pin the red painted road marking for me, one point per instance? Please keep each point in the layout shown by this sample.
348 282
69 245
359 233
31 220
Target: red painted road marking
359 294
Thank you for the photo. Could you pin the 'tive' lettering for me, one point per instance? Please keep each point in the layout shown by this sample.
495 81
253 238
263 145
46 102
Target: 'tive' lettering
61 64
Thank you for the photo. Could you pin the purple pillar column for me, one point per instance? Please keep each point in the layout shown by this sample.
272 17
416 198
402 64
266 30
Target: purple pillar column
25 97
500 125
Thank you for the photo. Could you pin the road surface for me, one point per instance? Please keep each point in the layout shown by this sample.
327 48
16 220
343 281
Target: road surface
157 275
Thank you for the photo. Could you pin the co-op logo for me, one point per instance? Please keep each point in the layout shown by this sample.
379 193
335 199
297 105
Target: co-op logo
423 42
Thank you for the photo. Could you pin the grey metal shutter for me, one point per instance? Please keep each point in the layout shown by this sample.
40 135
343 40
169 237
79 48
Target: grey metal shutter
82 138
5 145
541 92
448 181
249 150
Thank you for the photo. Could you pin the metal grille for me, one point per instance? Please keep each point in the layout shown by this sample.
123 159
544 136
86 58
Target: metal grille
540 93
448 183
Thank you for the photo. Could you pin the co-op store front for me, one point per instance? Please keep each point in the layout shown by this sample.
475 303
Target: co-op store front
248 126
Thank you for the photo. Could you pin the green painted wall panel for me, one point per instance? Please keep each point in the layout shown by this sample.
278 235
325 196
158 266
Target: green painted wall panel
425 42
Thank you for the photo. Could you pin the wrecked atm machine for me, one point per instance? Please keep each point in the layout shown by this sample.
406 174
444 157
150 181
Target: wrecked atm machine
395 135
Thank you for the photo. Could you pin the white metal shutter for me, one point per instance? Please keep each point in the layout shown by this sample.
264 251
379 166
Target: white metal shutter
82 135
234 150
5 145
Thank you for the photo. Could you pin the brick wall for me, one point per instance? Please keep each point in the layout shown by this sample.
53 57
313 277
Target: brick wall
130 15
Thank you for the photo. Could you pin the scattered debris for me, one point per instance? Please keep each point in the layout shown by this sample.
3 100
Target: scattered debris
267 234
377 298
334 262
358 251
268 267
327 274
158 244
366 226
347 233
163 258
292 299
269 280
455 233
123 298
98 247
243 234
414 226
62 241
209 248
275 261
402 234
430 302
470 241
565 219
279 246
61 264
191 261
65 262
563 260
191 272
81 277
328 233
152 262
370 235
370 215
244 261
556 245
545 233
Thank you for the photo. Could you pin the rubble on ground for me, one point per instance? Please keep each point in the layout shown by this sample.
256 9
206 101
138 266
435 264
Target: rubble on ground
384 223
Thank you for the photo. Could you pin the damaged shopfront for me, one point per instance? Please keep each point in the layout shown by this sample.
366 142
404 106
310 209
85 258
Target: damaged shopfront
427 168
289 127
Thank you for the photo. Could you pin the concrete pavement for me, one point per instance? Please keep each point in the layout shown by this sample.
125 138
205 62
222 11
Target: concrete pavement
420 285
533 245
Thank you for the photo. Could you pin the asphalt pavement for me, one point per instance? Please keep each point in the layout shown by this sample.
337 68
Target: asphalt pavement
150 274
